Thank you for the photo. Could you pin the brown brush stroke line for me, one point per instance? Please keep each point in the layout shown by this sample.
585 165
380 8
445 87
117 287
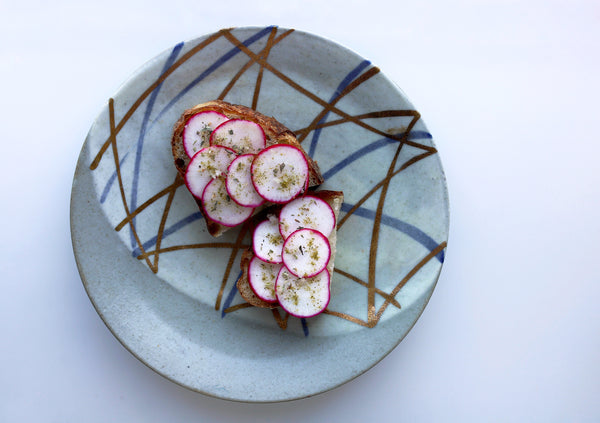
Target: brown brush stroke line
375 238
113 143
151 88
235 78
318 100
363 283
377 226
370 115
264 54
237 307
246 66
234 251
362 78
178 182
161 226
368 195
281 321
347 317
389 298
192 247
410 274
373 322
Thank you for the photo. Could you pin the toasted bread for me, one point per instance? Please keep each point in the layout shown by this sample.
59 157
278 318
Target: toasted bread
275 132
335 200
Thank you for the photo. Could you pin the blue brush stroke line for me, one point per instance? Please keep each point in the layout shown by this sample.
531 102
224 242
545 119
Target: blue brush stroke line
406 228
353 74
304 326
140 144
409 230
111 181
375 145
168 231
217 64
230 297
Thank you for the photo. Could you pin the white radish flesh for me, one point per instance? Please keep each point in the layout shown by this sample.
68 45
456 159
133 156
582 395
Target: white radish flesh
262 277
306 252
280 173
196 134
239 182
218 206
267 242
207 164
243 136
306 212
302 297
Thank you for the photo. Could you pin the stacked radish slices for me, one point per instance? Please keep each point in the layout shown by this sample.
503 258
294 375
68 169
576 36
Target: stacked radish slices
292 254
232 171
238 163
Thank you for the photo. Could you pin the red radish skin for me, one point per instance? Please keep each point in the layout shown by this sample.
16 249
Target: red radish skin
243 136
280 173
306 212
218 206
306 252
267 242
262 277
207 164
197 130
239 182
303 297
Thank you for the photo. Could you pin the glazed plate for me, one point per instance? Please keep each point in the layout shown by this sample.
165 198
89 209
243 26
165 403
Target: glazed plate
166 288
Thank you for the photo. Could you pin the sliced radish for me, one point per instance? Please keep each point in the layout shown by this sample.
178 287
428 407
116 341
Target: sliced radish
302 297
306 252
219 207
196 134
280 173
267 242
239 182
243 136
262 277
207 164
306 212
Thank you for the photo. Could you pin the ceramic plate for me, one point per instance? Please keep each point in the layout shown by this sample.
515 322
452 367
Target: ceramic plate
166 288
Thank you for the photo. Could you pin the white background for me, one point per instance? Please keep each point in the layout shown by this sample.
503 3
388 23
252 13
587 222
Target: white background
509 90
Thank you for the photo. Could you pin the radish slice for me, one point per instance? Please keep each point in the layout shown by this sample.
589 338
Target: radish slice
280 173
196 134
243 136
306 212
262 277
219 207
207 164
306 252
239 182
267 242
302 297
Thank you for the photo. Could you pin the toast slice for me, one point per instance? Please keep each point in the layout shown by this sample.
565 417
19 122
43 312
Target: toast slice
275 133
335 200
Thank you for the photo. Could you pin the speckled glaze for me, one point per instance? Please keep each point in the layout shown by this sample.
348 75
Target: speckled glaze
166 288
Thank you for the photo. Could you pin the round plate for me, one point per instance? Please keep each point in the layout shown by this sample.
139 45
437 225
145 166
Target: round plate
166 288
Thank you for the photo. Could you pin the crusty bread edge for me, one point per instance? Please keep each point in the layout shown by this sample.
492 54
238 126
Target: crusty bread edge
335 200
275 132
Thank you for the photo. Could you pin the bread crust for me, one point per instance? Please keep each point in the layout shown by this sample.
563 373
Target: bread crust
275 132
335 200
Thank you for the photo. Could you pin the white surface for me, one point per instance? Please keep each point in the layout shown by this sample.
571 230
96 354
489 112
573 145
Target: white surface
509 90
